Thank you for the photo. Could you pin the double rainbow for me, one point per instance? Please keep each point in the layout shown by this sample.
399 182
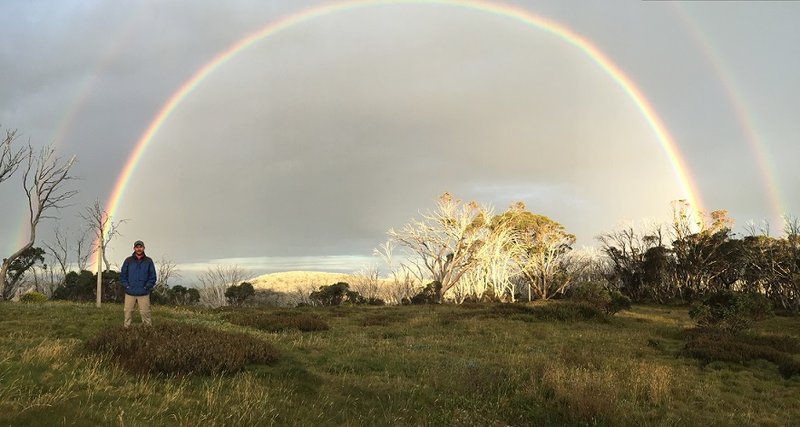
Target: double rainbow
506 11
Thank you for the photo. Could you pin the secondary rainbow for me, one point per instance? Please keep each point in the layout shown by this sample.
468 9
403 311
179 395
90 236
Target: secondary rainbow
757 147
507 11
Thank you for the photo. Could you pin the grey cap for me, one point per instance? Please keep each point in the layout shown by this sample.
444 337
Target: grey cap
137 243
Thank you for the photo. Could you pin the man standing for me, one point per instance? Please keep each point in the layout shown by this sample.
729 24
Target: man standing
138 276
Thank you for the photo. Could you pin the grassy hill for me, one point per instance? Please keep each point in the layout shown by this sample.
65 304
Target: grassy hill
410 365
290 281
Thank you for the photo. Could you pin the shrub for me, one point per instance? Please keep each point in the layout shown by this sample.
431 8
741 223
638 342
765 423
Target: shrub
280 321
568 311
730 311
430 294
77 287
709 345
597 296
564 311
618 303
759 307
33 298
374 301
180 295
83 287
175 348
591 293
237 295
336 294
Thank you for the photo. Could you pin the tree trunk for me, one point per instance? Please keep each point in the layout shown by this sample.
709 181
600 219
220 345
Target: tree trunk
100 257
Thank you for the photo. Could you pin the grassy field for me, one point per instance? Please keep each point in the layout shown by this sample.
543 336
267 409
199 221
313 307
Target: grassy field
420 365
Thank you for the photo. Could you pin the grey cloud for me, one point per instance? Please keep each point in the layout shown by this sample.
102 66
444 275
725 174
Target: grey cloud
316 140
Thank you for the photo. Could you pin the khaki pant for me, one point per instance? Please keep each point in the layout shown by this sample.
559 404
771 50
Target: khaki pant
144 308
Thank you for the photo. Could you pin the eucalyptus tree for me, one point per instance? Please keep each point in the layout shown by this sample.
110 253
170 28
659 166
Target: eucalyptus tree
701 258
444 243
631 253
45 176
541 252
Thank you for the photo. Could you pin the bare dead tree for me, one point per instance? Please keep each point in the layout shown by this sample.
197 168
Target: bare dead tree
367 282
83 251
102 226
590 265
792 271
167 269
301 294
217 279
10 159
753 229
59 250
445 241
44 178
51 279
402 279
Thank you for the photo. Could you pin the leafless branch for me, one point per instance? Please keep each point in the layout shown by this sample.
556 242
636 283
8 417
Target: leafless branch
10 159
100 223
44 179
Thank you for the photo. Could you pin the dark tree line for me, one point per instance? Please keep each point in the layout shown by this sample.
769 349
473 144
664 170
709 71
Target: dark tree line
681 265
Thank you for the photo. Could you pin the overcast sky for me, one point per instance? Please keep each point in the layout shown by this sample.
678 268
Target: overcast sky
304 149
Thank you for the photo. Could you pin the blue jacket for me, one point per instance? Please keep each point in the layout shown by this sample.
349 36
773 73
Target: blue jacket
138 276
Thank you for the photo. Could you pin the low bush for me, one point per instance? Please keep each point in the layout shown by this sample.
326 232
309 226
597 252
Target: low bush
82 286
759 307
175 348
597 296
382 318
430 294
730 311
591 293
563 311
709 345
279 321
340 294
238 294
568 311
618 303
180 295
33 298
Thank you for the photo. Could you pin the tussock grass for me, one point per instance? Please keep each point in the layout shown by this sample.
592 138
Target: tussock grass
439 365
710 345
174 348
564 311
279 321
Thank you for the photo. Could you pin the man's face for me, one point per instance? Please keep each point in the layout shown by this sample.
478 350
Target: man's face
139 249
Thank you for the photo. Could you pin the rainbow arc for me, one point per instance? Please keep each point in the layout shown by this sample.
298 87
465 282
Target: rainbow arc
513 13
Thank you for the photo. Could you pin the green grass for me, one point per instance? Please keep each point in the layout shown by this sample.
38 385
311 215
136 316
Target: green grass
421 365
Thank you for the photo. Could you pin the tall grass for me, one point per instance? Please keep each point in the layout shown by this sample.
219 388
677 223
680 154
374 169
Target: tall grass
437 365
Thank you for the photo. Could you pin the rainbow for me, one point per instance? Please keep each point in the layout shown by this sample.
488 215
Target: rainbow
506 11
83 95
757 147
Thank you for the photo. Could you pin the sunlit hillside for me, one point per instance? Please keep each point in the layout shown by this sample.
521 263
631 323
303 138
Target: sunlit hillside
290 281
